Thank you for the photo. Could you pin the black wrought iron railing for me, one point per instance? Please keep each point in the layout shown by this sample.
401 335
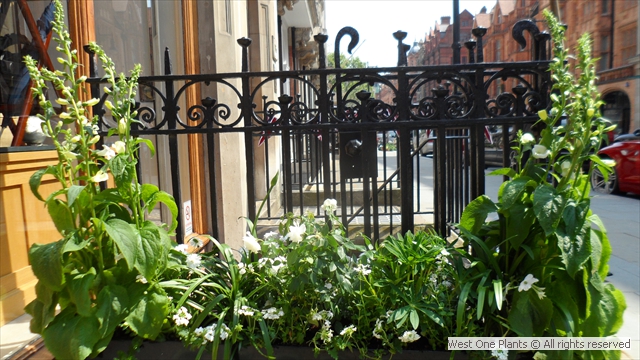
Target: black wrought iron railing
325 129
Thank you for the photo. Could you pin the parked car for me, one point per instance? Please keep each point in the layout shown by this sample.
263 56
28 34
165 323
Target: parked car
626 175
424 141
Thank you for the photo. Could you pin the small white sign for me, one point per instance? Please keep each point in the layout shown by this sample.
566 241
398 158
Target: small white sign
187 216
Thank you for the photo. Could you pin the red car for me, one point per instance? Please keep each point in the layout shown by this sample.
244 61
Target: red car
626 176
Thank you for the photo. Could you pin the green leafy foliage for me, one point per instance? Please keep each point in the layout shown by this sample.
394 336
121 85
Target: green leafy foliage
103 272
537 268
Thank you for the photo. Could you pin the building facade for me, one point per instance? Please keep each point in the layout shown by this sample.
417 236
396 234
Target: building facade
612 24
201 38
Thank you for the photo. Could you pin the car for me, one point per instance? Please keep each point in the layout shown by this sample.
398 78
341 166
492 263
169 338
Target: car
424 144
626 173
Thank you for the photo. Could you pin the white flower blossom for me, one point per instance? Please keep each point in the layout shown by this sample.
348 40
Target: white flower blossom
100 176
527 139
182 317
119 147
210 332
193 261
565 167
251 243
348 331
141 279
183 248
277 264
272 235
196 242
326 334
246 311
526 284
330 205
409 336
378 330
224 332
106 152
363 269
328 286
296 231
242 268
500 354
272 313
540 152
198 331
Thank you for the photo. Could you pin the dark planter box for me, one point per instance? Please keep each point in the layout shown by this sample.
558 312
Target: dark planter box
175 350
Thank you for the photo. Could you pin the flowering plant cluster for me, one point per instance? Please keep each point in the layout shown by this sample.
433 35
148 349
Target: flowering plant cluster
308 284
539 269
103 272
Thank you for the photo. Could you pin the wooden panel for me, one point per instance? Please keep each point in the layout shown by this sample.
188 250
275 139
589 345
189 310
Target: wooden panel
24 220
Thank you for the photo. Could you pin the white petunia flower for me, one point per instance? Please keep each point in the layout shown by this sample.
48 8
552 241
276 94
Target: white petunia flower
330 205
251 243
296 231
526 284
193 261
409 336
141 279
183 248
527 139
106 152
540 152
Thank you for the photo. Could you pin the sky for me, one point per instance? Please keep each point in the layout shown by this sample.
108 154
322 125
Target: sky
377 20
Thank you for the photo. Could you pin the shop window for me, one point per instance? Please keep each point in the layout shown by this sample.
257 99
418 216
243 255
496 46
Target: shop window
629 38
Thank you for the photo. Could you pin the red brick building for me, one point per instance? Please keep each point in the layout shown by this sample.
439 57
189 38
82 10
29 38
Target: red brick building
613 25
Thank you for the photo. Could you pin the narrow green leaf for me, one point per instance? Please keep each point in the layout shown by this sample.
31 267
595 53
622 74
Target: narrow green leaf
481 294
497 288
149 144
462 302
414 319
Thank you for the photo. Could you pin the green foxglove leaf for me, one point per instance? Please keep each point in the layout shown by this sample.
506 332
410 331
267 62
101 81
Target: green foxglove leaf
111 306
169 201
61 216
71 336
46 263
548 207
126 238
607 307
79 291
519 219
42 309
151 250
530 315
574 247
475 214
147 316
72 193
36 179
514 190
